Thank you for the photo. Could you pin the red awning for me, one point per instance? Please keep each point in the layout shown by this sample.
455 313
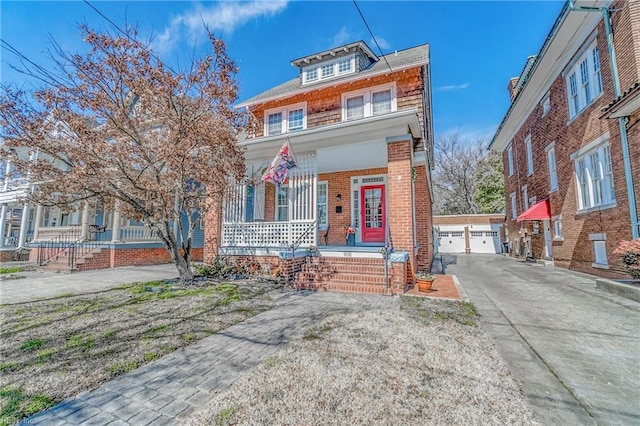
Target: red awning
540 211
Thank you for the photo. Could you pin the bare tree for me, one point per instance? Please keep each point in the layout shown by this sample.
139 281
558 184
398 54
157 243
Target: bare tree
118 125
465 178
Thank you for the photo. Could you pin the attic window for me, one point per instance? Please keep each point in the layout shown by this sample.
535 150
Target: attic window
329 69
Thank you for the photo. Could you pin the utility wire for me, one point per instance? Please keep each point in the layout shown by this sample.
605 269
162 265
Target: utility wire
376 42
126 34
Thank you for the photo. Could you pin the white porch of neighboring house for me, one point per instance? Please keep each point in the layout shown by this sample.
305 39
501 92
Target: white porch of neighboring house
342 179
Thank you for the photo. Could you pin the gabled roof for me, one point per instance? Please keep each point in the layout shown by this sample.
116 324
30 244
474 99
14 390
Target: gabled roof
401 59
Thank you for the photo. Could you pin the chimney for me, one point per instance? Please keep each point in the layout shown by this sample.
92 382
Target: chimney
511 87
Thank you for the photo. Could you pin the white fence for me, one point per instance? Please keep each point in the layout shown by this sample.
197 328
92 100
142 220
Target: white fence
137 233
268 234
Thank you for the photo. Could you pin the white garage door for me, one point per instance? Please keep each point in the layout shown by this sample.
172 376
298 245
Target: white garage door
484 242
451 241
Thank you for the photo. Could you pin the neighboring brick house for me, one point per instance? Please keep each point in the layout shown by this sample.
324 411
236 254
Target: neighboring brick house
572 173
360 128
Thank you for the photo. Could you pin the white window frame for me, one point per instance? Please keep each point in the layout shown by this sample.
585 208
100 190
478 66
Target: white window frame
596 174
525 197
277 217
514 206
529 149
367 93
600 259
546 104
558 233
335 69
323 225
552 165
510 159
583 80
285 118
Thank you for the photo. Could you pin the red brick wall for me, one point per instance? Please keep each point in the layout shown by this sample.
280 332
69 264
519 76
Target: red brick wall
399 193
576 251
424 220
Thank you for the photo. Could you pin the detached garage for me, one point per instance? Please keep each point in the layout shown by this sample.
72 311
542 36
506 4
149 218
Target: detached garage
479 233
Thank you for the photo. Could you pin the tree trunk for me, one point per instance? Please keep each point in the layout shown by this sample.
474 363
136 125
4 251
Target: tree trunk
182 262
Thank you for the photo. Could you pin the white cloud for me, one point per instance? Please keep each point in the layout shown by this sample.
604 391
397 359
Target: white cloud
342 37
384 44
452 87
471 134
222 17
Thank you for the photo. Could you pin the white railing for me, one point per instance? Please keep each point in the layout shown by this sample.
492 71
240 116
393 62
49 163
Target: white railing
267 234
137 233
49 233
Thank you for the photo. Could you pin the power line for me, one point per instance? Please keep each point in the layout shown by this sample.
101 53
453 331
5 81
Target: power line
126 34
376 42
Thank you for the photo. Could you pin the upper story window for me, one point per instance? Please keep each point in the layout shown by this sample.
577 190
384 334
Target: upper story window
514 210
594 176
329 69
367 102
288 119
510 159
546 104
584 80
527 143
553 168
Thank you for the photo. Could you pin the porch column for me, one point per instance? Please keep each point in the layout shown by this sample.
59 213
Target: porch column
84 222
23 225
399 195
3 223
36 227
212 227
115 232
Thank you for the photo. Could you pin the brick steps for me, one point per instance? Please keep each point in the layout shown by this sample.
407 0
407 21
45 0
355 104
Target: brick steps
362 275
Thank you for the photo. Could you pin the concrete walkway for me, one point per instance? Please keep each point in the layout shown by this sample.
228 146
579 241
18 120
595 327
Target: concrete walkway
35 285
171 389
575 349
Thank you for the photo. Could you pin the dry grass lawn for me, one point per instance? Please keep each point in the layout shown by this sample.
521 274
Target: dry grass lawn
414 362
54 349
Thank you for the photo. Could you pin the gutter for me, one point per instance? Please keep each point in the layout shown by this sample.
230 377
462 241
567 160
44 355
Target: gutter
525 79
624 139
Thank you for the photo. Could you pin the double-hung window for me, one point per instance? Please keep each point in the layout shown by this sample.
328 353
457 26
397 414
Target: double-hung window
289 119
282 203
529 148
514 211
553 168
371 101
510 159
583 80
594 175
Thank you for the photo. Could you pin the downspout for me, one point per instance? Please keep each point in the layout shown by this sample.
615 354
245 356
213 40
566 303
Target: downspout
624 140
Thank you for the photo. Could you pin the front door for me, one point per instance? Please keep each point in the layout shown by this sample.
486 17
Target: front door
372 214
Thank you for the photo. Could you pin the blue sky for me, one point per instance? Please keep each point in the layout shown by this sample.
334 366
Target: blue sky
476 46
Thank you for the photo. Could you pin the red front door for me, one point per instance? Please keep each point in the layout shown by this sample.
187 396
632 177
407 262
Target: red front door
372 214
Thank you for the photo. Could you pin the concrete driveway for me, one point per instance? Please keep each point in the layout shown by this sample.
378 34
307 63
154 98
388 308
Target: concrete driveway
575 349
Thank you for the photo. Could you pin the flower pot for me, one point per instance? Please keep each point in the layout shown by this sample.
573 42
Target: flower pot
424 285
351 240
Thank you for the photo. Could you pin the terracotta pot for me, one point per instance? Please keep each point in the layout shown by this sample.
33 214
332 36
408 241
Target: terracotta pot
424 285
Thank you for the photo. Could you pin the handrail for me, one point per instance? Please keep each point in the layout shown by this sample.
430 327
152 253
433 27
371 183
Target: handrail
83 248
51 248
297 244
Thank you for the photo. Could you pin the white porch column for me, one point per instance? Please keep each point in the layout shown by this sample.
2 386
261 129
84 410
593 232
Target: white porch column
24 224
84 222
36 227
3 223
115 236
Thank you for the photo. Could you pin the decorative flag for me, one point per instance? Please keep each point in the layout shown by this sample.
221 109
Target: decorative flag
276 173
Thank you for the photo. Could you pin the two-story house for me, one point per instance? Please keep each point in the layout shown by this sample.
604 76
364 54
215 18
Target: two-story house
570 140
360 128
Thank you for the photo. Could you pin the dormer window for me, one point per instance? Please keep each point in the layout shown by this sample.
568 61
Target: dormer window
288 119
329 69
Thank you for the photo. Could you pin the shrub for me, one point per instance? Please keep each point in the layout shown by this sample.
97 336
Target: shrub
629 253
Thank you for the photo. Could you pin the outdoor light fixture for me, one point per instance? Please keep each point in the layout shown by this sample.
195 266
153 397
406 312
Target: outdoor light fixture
338 198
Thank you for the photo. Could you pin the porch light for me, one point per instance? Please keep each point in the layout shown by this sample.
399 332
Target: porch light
338 198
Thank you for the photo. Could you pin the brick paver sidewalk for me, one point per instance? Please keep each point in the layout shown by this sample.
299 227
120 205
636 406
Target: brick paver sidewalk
171 389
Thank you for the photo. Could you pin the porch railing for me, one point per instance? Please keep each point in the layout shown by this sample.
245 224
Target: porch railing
59 243
138 233
268 234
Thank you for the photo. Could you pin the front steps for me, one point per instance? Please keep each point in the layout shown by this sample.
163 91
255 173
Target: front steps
350 274
95 259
